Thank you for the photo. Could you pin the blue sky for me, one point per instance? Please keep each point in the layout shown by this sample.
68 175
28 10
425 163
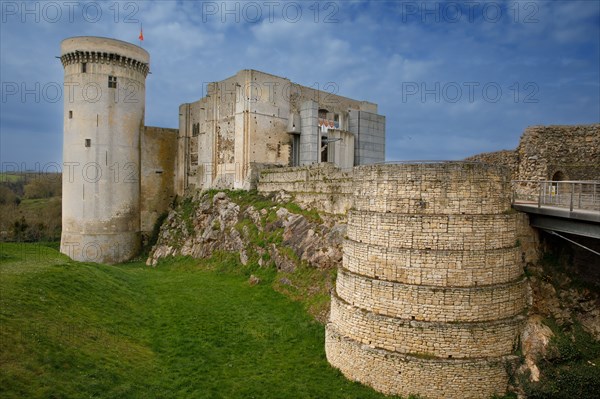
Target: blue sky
452 78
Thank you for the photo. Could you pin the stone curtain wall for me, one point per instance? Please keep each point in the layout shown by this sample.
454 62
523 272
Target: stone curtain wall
572 150
545 150
158 147
507 158
430 296
323 186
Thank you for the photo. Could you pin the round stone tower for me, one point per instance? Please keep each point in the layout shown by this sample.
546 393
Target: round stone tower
104 102
430 296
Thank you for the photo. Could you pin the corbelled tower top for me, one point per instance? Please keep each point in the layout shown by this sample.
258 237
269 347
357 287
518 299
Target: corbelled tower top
104 50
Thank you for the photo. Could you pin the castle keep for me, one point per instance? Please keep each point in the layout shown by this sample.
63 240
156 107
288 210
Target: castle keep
254 120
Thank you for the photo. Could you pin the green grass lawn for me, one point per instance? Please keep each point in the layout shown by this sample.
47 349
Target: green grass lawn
181 330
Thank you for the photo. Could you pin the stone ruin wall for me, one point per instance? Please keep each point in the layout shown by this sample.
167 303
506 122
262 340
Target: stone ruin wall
430 296
507 158
572 150
158 148
320 186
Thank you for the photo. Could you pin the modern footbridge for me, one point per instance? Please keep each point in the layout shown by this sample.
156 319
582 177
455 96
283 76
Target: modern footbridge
571 207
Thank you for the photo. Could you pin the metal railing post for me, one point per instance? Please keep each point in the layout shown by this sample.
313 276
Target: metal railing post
572 194
540 196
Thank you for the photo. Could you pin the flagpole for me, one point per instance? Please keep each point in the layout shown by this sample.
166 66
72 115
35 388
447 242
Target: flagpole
141 36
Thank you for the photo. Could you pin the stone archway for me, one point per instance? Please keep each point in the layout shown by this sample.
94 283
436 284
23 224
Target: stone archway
556 188
559 176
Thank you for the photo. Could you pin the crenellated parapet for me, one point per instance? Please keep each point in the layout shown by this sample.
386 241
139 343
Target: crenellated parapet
78 57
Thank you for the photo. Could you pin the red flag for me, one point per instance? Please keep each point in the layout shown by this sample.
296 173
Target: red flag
141 33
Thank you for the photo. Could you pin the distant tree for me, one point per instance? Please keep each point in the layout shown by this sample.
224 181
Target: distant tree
43 186
17 187
7 196
19 229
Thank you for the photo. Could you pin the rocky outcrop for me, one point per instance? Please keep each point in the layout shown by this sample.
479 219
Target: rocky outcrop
558 300
535 339
204 224
555 296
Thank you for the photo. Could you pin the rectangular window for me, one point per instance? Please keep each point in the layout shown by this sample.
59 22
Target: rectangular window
195 129
70 114
295 158
112 82
83 67
88 142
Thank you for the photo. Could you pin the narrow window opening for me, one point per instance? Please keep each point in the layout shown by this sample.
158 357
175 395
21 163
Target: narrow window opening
97 120
112 82
84 67
70 114
88 142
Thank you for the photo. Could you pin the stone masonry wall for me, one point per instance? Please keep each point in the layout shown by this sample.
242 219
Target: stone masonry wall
158 147
545 152
572 150
477 267
430 297
507 158
443 340
392 372
321 186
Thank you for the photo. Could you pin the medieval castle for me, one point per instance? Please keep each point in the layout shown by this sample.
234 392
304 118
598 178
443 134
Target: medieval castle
431 296
125 174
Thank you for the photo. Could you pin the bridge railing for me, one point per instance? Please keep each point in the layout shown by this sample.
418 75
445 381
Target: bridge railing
570 194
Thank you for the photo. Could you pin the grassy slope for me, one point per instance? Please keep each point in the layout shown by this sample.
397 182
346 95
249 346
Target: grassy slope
83 330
